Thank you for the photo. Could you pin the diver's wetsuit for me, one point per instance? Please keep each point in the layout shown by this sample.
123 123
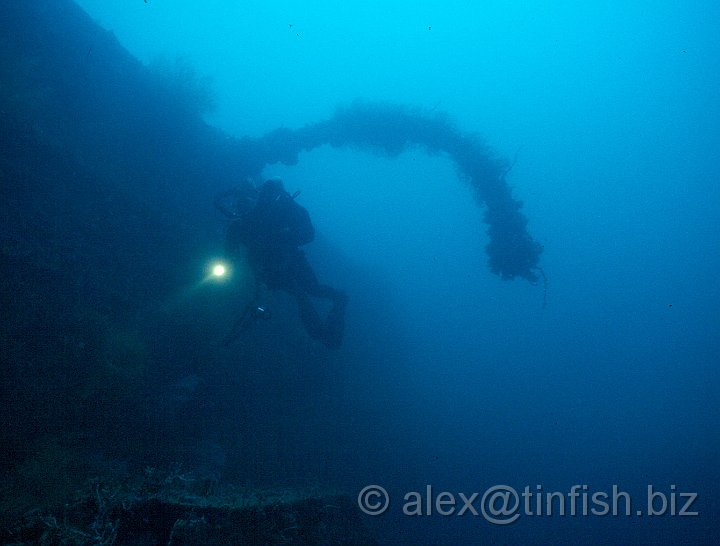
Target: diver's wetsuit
271 232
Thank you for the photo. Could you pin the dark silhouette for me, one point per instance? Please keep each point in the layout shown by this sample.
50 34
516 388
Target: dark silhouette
270 226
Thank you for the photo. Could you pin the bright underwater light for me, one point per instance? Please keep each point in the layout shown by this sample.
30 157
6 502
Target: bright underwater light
217 271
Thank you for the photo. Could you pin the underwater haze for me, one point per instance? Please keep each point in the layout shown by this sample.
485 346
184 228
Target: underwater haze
590 369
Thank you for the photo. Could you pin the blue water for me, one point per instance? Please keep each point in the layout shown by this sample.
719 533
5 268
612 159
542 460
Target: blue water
450 376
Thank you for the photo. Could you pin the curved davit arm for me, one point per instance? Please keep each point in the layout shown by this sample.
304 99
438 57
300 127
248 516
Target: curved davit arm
391 129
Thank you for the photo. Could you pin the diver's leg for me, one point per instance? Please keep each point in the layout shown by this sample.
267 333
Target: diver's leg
307 280
334 325
309 316
330 331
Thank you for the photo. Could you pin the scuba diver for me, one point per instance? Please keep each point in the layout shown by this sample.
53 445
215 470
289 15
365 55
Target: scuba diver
270 226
